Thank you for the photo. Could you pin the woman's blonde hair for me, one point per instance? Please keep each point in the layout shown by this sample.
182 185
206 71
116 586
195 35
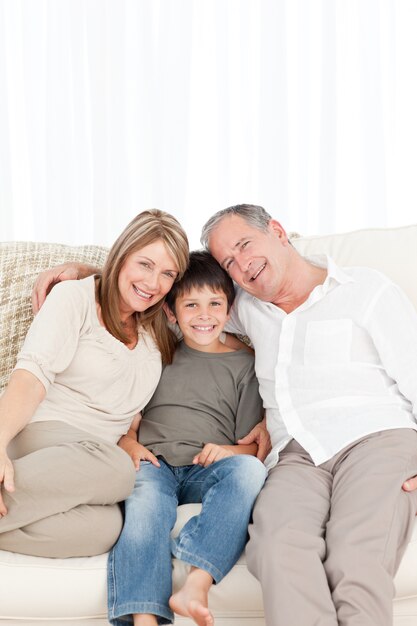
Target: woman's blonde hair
143 230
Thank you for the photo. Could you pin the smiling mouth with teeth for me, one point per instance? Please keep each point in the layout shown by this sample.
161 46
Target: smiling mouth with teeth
204 328
255 276
142 294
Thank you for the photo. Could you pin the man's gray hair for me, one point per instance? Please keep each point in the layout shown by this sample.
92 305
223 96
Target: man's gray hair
254 215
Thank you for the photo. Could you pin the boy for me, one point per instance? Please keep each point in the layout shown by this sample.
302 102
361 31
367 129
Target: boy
206 400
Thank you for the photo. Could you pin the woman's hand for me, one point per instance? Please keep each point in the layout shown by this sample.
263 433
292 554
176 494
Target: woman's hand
410 484
137 452
260 435
18 403
6 479
210 454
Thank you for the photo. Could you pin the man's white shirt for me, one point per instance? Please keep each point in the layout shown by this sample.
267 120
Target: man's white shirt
341 366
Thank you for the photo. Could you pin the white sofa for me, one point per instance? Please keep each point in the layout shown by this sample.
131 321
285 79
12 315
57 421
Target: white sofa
73 591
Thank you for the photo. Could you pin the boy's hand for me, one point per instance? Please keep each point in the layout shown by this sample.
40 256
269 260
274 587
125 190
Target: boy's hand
210 454
137 452
6 479
260 435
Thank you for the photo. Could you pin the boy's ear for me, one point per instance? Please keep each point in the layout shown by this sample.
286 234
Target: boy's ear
171 317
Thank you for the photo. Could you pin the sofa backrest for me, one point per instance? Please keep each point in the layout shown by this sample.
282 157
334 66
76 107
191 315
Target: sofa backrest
392 251
20 263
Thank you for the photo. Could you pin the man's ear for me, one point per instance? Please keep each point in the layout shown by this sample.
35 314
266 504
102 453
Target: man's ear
278 230
171 317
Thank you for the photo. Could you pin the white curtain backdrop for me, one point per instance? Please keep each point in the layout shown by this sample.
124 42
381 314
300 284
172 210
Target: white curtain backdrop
108 107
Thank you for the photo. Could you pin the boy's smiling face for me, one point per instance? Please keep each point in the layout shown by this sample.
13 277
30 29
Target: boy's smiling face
201 315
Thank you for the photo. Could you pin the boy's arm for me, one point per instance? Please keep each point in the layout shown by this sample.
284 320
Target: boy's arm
249 410
130 444
213 452
250 421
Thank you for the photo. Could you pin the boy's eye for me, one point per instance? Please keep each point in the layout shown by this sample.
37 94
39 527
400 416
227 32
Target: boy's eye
190 305
216 304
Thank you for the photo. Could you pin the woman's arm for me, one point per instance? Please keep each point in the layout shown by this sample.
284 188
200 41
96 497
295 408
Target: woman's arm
49 347
20 400
130 444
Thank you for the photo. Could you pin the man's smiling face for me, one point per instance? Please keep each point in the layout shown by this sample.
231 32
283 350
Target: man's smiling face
257 260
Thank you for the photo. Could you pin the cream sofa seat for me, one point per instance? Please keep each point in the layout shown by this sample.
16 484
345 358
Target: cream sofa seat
73 591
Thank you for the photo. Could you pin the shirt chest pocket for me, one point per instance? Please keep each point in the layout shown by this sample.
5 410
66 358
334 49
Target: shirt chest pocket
328 342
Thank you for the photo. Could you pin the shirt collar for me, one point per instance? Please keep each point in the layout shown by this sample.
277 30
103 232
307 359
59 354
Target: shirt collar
334 272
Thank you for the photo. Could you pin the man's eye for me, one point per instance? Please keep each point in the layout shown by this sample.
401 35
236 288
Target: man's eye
244 244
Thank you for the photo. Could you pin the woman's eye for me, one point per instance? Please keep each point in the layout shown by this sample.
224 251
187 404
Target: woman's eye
144 264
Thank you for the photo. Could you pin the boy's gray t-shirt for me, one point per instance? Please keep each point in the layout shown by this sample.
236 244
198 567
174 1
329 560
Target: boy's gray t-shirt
201 398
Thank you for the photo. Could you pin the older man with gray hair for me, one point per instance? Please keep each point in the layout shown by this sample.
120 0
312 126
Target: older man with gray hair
336 360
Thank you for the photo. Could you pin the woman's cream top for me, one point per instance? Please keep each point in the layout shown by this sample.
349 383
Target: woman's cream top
92 380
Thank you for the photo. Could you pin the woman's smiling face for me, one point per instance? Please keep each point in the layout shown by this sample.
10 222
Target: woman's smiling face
145 278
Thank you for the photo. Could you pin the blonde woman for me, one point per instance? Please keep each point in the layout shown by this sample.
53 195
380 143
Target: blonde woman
91 360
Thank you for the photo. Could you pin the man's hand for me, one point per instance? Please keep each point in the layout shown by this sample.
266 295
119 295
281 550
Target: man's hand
259 435
6 479
66 271
47 279
137 452
410 484
210 454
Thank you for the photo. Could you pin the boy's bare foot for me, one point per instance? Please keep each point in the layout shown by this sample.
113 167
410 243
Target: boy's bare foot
141 619
192 599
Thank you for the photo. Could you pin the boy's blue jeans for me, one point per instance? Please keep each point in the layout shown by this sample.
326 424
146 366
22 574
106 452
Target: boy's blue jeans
140 569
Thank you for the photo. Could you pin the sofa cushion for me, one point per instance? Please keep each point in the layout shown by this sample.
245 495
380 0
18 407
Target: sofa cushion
75 589
20 263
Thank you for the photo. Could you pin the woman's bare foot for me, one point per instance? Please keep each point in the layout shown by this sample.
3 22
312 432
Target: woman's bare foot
192 599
